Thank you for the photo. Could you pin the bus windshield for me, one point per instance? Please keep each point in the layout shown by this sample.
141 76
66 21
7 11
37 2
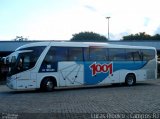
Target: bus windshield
24 60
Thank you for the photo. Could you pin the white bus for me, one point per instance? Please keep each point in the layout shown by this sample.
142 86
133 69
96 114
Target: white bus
47 65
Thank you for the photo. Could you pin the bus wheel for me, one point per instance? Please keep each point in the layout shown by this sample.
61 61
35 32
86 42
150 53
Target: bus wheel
130 80
47 84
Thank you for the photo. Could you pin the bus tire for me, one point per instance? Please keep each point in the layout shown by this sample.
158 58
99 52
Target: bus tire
130 80
48 84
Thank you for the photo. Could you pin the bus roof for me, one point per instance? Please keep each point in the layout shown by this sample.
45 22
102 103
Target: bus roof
33 44
83 44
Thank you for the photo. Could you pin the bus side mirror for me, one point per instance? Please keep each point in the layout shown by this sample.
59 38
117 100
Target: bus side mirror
3 60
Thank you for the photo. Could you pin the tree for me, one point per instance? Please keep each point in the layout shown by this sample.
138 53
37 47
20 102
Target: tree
156 37
141 36
88 37
137 36
20 38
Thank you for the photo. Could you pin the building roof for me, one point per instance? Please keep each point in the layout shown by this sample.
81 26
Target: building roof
10 46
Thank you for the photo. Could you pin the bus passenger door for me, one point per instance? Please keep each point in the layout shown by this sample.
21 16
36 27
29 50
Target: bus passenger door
24 77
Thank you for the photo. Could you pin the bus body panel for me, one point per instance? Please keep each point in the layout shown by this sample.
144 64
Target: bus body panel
72 73
19 82
25 80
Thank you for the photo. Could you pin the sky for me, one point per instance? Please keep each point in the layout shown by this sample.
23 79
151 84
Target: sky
60 19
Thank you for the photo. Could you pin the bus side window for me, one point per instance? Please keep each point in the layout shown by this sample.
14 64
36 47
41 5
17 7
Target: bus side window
129 55
49 59
61 54
75 54
49 56
133 55
117 54
137 56
56 54
148 54
86 54
98 54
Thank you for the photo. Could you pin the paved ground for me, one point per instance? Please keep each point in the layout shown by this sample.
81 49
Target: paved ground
88 102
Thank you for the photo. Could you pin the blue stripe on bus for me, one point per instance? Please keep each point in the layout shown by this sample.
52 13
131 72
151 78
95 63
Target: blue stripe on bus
103 69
